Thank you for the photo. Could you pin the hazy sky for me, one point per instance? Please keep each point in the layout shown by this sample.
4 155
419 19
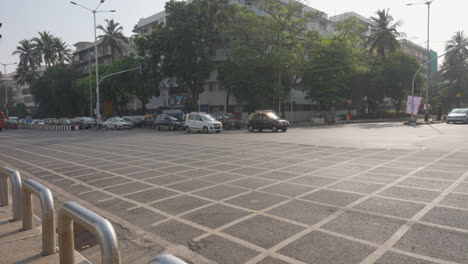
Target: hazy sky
24 18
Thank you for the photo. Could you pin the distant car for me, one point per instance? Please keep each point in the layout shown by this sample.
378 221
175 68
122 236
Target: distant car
171 122
458 115
137 121
38 122
117 123
64 121
228 120
202 122
12 124
86 122
266 119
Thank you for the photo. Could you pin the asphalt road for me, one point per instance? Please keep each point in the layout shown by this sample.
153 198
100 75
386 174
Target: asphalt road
363 193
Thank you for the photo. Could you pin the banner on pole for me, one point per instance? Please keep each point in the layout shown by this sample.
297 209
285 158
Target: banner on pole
409 105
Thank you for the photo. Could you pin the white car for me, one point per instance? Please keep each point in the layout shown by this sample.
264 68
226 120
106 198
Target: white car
37 122
117 123
202 122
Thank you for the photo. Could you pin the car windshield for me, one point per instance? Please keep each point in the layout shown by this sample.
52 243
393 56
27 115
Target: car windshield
119 120
172 118
272 116
459 111
207 117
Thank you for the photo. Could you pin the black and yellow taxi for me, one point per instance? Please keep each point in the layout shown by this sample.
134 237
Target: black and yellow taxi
266 119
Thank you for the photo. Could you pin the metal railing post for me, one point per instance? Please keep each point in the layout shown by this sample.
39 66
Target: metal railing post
166 259
15 179
48 213
103 230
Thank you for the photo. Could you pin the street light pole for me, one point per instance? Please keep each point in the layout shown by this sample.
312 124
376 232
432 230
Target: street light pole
4 84
428 3
98 112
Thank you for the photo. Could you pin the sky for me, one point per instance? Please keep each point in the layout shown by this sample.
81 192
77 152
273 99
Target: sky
22 19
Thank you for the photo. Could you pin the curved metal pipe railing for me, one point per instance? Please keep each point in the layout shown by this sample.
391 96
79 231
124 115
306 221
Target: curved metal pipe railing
103 230
48 213
15 178
166 259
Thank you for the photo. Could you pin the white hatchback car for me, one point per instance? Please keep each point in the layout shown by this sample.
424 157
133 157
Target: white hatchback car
117 123
202 122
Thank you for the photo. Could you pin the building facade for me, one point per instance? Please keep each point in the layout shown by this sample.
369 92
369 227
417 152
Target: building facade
84 58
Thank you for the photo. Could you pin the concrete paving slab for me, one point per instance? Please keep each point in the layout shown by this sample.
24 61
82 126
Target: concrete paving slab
215 216
332 197
392 258
179 204
390 207
411 194
326 249
263 231
150 195
222 250
256 200
176 232
303 212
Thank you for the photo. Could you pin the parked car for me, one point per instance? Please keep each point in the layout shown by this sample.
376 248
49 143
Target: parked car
38 122
117 123
137 121
86 122
12 124
228 120
266 119
165 120
459 115
202 122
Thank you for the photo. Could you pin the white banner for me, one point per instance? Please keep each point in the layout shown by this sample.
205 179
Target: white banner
409 104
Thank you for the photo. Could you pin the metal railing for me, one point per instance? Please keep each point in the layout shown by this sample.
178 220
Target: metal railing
48 213
15 178
71 212
166 259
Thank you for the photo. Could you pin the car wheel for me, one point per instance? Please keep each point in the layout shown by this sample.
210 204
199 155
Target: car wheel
171 128
251 129
159 127
274 129
187 129
218 131
284 129
205 130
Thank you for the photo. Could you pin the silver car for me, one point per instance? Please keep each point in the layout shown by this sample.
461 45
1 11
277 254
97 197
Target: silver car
458 115
117 123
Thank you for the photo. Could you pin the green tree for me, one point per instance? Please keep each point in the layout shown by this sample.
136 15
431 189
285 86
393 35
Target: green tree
57 92
62 52
395 76
113 37
27 54
19 110
45 46
186 46
25 74
455 68
384 34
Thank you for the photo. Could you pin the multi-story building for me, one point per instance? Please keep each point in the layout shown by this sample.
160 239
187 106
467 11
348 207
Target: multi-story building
365 22
419 53
84 54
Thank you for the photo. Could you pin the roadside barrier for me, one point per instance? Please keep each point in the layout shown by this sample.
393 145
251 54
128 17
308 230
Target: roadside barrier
48 213
68 214
104 231
15 179
51 127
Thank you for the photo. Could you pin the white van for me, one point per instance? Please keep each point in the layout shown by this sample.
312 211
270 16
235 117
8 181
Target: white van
202 122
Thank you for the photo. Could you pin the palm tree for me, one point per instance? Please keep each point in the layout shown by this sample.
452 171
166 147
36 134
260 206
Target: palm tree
62 52
456 63
44 45
113 37
27 54
384 34
24 74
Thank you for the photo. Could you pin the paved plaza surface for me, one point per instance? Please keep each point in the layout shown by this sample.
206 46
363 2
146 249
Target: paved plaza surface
367 193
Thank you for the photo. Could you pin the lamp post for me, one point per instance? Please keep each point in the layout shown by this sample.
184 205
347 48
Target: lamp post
428 3
4 83
98 112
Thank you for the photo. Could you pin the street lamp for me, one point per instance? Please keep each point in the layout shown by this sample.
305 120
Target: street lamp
4 83
98 114
428 3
